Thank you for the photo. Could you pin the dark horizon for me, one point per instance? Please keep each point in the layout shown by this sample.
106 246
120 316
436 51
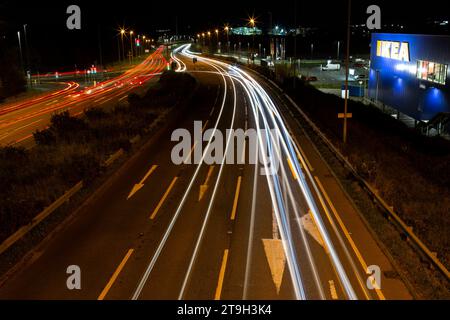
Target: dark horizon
46 22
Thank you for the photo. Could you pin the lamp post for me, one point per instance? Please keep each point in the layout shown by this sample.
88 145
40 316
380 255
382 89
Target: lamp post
131 47
26 48
122 32
252 24
347 58
209 41
227 29
20 49
338 49
118 48
143 44
217 38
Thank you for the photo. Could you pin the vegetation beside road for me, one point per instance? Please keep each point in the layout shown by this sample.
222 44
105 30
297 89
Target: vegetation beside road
408 169
75 148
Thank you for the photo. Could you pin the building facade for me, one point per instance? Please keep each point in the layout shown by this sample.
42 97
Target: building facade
410 73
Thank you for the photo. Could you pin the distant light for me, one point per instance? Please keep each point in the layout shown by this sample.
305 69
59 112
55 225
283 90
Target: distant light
406 67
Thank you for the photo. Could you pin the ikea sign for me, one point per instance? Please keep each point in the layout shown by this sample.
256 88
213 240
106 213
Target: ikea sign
396 50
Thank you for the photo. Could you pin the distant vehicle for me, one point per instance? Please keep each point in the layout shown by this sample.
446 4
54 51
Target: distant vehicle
331 66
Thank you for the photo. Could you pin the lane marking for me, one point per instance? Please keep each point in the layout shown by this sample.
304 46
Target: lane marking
275 232
140 185
309 224
51 102
115 275
327 213
291 167
19 128
160 203
236 198
204 186
303 156
221 275
273 248
195 144
204 126
23 138
333 292
347 234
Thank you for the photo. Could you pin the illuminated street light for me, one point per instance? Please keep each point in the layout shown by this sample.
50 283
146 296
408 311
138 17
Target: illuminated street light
252 22
227 29
131 46
122 33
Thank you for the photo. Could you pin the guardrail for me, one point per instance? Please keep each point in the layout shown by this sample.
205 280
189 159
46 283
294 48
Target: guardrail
41 216
114 157
392 216
66 196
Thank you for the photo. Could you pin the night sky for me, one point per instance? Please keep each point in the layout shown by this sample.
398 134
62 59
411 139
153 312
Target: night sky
54 45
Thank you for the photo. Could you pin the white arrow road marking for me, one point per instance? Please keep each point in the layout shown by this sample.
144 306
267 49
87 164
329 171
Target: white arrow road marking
139 185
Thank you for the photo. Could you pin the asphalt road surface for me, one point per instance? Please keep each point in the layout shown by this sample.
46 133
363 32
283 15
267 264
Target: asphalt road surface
19 120
157 230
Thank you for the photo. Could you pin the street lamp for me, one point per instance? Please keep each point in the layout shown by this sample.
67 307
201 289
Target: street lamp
122 33
131 46
252 22
227 29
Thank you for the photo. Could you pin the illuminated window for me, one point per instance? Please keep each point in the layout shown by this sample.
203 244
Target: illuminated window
432 71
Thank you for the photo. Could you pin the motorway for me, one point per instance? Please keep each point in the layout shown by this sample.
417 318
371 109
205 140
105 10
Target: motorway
157 230
19 120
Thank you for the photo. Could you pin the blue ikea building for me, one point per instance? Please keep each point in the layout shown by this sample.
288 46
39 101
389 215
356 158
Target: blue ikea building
410 73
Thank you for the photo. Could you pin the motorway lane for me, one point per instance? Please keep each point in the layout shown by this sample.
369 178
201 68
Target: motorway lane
357 240
18 122
355 275
113 239
103 231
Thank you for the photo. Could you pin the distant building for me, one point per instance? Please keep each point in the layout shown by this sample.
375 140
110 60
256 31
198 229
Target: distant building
246 31
410 73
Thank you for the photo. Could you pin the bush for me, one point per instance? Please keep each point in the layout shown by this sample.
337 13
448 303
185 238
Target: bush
73 149
44 137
